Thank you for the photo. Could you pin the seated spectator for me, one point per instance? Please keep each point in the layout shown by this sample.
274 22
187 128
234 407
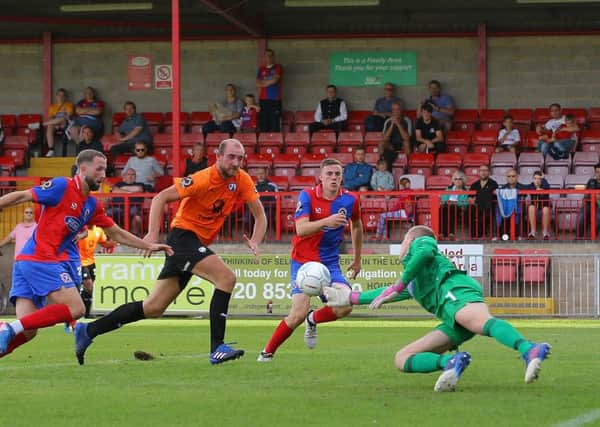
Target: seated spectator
331 113
357 175
547 132
89 141
263 185
382 179
197 162
442 105
539 207
584 221
428 132
117 204
226 115
89 113
397 131
249 115
481 211
382 109
133 129
146 167
59 115
509 204
508 137
401 208
453 206
563 140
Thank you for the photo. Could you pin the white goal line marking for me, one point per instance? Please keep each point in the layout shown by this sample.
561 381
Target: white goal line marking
580 420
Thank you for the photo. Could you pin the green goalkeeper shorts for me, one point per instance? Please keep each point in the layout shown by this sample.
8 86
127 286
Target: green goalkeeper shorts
456 292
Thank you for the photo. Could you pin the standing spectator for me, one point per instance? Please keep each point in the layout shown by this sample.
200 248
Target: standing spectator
442 105
22 232
382 179
269 84
397 131
226 115
481 211
146 167
89 141
509 204
539 206
331 113
357 175
89 111
453 205
585 216
129 184
401 208
197 162
428 132
133 129
508 137
59 115
249 115
382 109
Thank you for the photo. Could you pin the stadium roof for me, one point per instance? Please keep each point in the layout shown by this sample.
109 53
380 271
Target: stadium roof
206 19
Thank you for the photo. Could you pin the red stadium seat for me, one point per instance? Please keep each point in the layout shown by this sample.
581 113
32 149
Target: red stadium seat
297 143
491 119
154 121
197 119
108 140
270 142
17 154
287 121
590 140
162 140
302 119
213 140
583 163
356 120
255 162
535 265
352 139
16 141
458 141
188 140
505 269
522 118
163 182
9 124
282 182
373 204
165 152
594 118
323 142
438 182
528 163
184 119
345 158
248 140
531 141
472 162
541 115
370 158
465 120
285 164
310 164
299 183
119 163
7 166
448 163
567 209
420 164
484 141
118 118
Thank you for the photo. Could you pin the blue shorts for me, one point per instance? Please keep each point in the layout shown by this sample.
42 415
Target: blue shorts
35 280
334 269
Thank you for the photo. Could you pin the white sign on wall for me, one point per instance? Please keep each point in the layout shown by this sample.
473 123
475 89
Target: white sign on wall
468 258
163 76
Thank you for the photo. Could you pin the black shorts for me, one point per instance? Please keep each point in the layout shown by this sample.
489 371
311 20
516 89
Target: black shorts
89 272
189 250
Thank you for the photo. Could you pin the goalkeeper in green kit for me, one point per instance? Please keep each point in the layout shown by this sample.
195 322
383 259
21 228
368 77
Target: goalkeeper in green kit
454 298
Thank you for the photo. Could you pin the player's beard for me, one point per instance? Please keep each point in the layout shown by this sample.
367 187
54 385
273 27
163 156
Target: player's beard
228 173
91 183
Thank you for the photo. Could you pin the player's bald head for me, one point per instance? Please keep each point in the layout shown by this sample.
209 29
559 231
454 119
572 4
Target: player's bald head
420 231
229 143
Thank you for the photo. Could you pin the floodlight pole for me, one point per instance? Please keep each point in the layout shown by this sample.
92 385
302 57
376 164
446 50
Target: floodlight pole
176 91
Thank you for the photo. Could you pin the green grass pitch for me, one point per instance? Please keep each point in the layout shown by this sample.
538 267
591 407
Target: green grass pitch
348 380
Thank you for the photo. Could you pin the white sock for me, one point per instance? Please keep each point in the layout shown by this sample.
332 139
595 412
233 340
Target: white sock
311 319
17 327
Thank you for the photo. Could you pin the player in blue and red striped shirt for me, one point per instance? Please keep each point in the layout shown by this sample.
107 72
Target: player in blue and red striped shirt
322 215
49 266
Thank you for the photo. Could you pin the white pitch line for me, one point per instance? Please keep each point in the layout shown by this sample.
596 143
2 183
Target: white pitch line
580 420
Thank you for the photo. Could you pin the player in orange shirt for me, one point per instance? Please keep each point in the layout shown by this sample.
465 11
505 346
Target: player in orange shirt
207 198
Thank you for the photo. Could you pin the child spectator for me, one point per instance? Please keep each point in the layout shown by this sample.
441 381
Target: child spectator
249 115
401 208
382 179
508 136
563 139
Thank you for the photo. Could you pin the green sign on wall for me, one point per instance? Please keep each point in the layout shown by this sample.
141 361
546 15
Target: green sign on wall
373 68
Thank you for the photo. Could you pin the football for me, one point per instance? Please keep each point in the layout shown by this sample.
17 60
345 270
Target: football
312 277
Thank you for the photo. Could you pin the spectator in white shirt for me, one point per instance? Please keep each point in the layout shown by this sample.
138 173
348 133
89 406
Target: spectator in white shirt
508 137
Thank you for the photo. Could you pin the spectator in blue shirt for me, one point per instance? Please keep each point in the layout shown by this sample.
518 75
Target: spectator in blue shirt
133 129
382 109
442 105
357 175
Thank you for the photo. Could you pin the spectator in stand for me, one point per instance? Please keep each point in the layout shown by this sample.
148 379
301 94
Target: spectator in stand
382 109
22 231
331 113
263 185
89 111
116 211
197 162
401 208
508 137
453 206
357 175
548 132
249 115
584 221
382 179
133 129
269 84
428 132
539 207
508 205
59 115
146 167
397 131
564 139
442 105
226 115
89 141
481 211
